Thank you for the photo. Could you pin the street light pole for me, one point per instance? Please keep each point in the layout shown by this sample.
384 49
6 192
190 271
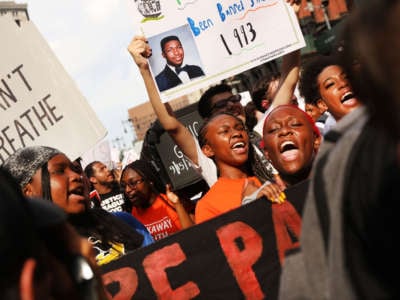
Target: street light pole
324 6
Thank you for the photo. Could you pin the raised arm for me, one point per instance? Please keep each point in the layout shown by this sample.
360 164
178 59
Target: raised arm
140 51
289 78
184 217
289 72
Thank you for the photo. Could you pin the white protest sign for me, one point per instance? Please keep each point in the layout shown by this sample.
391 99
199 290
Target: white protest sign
100 152
39 102
223 38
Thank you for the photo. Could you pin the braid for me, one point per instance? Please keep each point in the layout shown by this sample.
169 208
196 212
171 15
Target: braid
46 189
260 166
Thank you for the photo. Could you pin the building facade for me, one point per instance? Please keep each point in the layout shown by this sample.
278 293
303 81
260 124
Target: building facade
16 10
142 116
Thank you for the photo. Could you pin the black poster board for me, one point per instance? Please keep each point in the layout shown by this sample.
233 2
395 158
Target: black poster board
176 165
237 255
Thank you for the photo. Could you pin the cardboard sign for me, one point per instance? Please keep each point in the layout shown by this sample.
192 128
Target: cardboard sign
39 102
222 38
176 165
237 255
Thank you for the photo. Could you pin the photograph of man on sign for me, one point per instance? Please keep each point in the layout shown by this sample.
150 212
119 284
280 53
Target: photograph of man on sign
174 69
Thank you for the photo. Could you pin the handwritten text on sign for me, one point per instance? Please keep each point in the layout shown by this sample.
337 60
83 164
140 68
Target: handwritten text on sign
237 255
229 36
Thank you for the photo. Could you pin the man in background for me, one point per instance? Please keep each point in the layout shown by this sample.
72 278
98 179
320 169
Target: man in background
105 188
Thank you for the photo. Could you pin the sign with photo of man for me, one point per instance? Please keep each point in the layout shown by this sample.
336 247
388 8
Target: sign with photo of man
181 61
197 43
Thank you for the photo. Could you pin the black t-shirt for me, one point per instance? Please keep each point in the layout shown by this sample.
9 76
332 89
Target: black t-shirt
113 201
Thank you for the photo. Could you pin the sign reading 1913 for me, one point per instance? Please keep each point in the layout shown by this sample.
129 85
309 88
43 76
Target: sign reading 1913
223 38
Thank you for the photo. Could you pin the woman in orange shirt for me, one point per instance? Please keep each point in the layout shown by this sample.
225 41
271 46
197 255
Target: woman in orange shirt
224 138
290 140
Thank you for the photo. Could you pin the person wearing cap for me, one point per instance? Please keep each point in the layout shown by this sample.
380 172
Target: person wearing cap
162 214
47 173
44 257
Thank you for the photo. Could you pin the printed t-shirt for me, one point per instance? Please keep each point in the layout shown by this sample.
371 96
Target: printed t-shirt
113 201
224 195
160 219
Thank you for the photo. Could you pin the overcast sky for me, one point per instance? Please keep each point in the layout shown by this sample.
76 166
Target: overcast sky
90 38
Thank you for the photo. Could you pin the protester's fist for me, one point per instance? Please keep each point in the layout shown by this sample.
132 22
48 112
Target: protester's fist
140 51
171 195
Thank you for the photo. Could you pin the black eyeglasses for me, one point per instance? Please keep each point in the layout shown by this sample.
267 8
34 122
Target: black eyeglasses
131 183
224 102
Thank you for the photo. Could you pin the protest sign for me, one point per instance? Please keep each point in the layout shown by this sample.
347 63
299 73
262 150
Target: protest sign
222 38
99 152
179 169
237 255
39 102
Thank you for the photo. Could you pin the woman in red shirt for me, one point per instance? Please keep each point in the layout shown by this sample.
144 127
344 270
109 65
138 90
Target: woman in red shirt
162 213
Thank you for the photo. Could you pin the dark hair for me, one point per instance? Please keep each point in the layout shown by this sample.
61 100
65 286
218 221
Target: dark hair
204 104
106 227
26 243
149 150
46 189
168 39
308 83
251 119
371 59
89 171
204 127
257 97
260 89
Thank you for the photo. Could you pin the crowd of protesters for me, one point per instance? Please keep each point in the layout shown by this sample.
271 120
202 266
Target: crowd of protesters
345 143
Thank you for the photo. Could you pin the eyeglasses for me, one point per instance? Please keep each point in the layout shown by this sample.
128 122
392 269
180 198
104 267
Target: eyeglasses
131 183
224 102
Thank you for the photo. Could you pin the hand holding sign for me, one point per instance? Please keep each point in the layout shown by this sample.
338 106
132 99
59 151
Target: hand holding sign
140 51
243 34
